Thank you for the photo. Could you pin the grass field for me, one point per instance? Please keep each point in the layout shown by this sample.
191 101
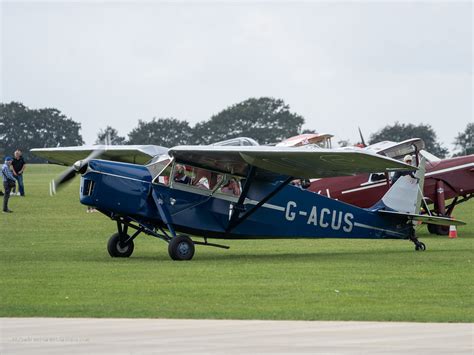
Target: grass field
54 262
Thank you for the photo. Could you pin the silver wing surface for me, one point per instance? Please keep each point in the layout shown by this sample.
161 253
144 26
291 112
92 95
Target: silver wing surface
301 162
397 150
136 154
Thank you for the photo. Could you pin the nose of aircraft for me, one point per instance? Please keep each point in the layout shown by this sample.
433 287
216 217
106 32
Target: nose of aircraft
79 167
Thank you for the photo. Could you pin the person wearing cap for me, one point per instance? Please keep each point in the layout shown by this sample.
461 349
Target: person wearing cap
8 182
407 159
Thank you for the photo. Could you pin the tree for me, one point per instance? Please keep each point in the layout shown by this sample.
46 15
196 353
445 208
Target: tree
23 128
265 119
166 132
109 136
465 140
400 132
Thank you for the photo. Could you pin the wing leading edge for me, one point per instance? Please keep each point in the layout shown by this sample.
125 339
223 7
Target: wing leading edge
136 154
303 162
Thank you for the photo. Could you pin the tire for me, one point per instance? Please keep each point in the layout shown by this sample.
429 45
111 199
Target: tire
432 229
116 249
443 230
420 246
437 229
181 247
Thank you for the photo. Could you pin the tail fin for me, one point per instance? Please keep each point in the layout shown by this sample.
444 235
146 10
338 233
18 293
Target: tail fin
406 193
405 196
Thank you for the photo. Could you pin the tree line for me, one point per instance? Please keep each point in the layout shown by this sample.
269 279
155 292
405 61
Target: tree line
267 120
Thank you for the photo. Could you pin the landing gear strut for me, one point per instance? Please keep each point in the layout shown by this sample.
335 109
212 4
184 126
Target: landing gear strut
180 247
120 244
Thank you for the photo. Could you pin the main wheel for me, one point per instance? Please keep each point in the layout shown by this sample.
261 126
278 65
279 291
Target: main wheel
432 228
181 247
443 230
118 249
437 229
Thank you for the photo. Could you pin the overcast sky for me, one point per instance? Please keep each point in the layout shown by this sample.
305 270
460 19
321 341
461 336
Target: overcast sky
339 64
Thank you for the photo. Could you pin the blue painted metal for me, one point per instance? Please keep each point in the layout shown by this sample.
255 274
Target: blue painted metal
126 190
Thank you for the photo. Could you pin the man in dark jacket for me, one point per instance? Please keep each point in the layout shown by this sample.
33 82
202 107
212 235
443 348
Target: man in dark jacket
18 169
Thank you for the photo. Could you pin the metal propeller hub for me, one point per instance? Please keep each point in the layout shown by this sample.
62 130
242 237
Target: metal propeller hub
77 165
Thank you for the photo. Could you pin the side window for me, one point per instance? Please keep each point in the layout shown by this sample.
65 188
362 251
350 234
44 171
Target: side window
164 177
182 174
197 177
160 168
376 177
231 186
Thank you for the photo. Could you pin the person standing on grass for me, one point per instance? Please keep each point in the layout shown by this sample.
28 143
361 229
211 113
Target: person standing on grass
8 182
18 169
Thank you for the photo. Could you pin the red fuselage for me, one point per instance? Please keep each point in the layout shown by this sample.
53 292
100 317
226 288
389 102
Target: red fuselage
449 177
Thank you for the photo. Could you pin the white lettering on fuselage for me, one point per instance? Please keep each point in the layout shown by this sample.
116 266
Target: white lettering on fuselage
290 216
326 218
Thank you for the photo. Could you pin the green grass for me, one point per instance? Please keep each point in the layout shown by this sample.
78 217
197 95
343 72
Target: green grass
53 262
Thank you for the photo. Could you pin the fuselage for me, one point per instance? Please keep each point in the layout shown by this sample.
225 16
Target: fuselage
121 189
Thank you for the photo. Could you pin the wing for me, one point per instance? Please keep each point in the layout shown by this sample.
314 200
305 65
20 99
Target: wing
301 162
397 150
137 154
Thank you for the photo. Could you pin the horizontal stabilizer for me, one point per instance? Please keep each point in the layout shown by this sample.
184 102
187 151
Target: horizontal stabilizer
442 221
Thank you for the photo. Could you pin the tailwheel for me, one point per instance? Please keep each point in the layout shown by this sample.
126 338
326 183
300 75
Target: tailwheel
419 246
117 248
181 247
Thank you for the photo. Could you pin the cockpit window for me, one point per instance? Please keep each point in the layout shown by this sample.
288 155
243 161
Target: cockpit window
197 177
207 180
232 186
377 177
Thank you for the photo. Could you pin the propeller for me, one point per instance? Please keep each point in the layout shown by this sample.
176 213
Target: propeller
79 167
362 138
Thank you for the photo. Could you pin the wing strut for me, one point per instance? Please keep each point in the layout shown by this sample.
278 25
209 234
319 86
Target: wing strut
239 208
163 211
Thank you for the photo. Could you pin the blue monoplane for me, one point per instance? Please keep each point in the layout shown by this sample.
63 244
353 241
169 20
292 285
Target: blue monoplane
251 192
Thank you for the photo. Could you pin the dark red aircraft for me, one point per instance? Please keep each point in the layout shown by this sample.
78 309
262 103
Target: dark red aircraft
445 179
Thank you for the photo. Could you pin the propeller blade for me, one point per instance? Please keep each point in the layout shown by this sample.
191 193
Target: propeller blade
78 167
362 138
66 176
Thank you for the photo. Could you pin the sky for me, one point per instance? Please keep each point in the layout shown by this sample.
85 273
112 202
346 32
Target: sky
341 65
